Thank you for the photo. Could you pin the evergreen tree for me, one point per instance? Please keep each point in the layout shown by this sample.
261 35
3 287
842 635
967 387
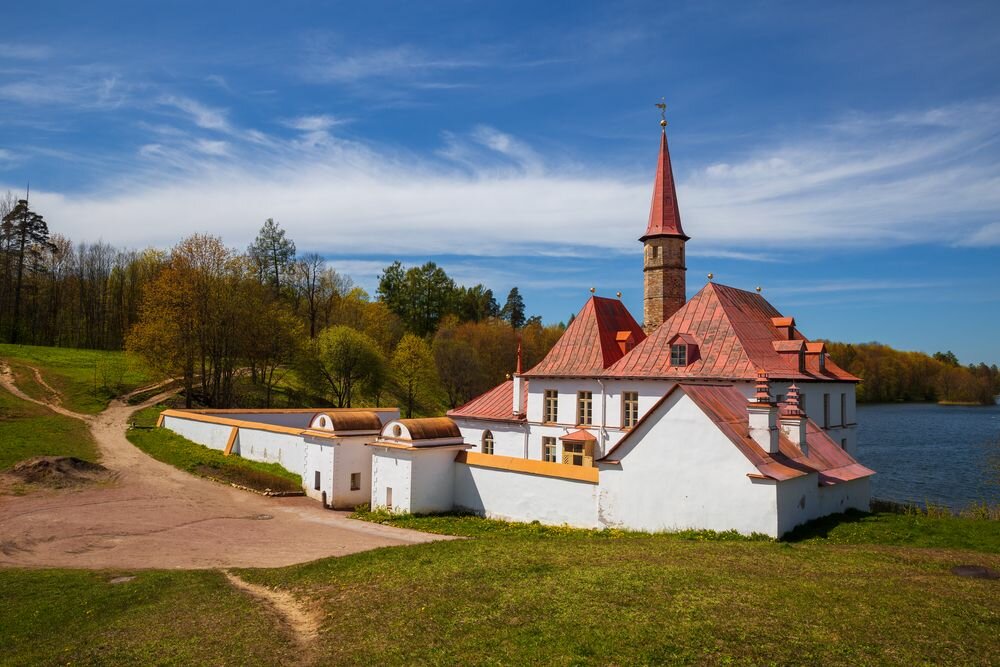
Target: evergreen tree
27 236
273 256
513 309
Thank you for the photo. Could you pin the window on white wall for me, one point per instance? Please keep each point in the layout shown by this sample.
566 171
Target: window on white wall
549 449
317 478
355 481
843 409
826 410
630 408
584 408
487 442
550 408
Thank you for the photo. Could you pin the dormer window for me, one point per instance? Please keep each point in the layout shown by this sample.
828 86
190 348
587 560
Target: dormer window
678 354
683 349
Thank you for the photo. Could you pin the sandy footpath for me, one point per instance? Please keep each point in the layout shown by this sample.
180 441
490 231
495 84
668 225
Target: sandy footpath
155 516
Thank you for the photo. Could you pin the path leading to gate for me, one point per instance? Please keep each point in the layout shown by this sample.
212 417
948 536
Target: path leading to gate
156 516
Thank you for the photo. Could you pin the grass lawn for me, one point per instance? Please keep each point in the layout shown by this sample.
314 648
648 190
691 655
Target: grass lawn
60 617
519 594
528 594
87 379
28 430
165 445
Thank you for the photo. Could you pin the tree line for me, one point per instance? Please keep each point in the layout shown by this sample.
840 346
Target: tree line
264 326
893 375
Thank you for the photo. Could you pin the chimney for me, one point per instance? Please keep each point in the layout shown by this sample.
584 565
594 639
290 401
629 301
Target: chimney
793 420
763 416
518 384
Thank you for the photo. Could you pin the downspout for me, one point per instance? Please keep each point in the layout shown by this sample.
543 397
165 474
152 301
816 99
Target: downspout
604 412
527 428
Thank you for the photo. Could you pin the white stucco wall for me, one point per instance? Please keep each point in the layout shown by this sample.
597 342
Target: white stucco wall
214 436
432 489
351 455
508 438
802 499
391 469
517 496
681 472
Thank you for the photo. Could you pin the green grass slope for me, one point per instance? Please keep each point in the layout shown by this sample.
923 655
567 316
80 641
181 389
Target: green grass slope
86 379
165 445
60 617
28 430
520 594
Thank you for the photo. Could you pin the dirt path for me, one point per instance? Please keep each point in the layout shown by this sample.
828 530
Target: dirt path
156 516
301 622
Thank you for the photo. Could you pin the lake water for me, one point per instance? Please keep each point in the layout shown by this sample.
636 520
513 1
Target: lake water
922 452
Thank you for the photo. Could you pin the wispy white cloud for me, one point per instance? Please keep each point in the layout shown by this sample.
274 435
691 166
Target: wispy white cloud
15 51
332 65
203 116
866 181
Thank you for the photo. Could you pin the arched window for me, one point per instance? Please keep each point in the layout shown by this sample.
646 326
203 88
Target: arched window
488 442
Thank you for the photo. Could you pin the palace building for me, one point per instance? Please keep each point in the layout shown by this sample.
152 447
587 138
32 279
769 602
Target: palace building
714 413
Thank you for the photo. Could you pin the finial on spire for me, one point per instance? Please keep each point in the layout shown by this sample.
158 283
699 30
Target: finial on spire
618 294
593 289
710 276
662 106
519 355
758 289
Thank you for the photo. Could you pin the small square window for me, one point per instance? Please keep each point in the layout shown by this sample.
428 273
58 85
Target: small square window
316 480
355 481
678 355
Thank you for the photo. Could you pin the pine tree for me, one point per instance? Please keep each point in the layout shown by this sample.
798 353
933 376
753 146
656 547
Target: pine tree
513 309
28 235
273 255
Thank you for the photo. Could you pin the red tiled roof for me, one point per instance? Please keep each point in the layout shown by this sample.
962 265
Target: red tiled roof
736 336
578 436
496 404
726 406
589 344
664 216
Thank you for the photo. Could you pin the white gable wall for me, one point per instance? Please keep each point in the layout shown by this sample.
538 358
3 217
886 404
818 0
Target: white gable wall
681 472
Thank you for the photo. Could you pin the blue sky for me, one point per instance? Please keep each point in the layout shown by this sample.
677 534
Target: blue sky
844 156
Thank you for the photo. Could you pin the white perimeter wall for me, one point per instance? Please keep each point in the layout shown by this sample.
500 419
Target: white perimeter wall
681 472
517 496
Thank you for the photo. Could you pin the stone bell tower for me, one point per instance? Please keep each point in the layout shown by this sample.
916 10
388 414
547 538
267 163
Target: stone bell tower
663 254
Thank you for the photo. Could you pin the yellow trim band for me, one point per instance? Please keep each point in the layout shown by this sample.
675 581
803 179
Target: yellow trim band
530 466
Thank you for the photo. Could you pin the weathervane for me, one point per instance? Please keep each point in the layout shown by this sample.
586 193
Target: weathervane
662 106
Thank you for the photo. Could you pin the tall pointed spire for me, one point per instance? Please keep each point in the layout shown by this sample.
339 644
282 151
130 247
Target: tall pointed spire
663 264
664 216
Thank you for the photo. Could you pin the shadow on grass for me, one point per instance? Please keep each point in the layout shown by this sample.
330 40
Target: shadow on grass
822 527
